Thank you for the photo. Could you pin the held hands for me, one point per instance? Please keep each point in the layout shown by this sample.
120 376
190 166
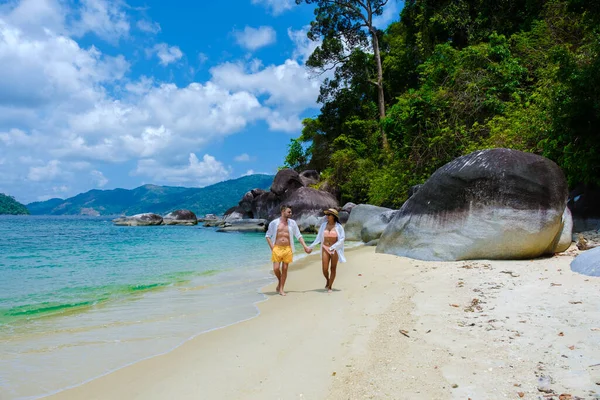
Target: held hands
308 250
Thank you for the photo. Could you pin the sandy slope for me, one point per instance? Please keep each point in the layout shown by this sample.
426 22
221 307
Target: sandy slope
395 328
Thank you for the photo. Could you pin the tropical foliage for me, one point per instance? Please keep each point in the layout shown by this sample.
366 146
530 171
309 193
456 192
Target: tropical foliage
460 75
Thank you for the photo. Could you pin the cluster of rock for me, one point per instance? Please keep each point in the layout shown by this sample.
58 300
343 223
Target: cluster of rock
257 207
177 217
490 204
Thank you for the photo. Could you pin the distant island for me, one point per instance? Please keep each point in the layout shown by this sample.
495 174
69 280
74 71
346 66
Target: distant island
8 205
213 199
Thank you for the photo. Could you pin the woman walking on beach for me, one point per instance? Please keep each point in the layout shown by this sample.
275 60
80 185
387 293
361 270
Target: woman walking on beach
331 236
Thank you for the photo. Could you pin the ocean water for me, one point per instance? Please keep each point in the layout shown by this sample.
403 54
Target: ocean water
80 297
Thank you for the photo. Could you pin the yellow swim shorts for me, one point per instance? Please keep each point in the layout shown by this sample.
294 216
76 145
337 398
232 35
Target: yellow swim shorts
282 254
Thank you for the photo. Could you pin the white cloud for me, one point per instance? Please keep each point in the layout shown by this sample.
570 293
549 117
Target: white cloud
99 178
36 72
106 19
304 47
36 16
202 58
201 173
255 38
63 107
276 6
47 172
242 158
148 26
167 54
249 172
289 87
60 189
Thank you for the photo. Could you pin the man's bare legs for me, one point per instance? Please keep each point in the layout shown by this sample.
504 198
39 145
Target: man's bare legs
281 274
284 269
277 273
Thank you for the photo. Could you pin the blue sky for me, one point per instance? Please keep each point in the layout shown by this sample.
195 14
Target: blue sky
98 94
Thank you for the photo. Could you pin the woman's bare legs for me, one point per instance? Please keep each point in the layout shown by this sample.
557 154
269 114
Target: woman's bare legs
334 261
325 256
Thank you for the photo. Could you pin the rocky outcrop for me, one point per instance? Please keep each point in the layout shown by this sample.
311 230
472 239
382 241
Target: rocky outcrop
146 219
587 263
584 203
286 180
180 217
494 204
289 188
309 177
566 238
359 217
374 227
344 212
307 206
244 225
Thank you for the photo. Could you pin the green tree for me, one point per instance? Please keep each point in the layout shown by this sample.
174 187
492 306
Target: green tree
343 25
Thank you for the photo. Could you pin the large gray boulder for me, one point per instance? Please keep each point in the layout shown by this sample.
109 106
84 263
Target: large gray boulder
490 204
374 227
288 188
146 219
566 237
344 212
180 217
587 263
358 217
286 180
266 205
309 177
307 207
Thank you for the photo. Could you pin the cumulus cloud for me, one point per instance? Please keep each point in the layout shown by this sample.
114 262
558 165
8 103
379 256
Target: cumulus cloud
201 173
166 54
288 86
303 46
107 19
276 6
63 107
49 171
148 26
99 178
35 72
242 158
36 16
255 38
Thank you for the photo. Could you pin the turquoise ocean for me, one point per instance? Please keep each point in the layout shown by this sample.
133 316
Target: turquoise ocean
81 297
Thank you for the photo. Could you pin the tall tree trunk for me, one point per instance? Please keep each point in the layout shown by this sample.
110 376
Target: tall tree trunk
380 97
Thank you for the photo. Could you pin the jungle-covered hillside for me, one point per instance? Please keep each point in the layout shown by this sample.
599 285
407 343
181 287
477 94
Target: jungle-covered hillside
455 76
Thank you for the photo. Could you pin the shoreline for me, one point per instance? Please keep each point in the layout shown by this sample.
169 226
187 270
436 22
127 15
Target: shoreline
303 262
392 328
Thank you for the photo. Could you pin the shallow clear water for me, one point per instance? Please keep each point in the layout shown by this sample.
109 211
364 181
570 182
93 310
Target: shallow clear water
80 297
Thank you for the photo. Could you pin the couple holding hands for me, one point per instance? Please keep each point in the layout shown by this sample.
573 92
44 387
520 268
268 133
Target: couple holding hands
280 236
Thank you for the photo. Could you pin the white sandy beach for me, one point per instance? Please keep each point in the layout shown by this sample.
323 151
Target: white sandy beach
394 328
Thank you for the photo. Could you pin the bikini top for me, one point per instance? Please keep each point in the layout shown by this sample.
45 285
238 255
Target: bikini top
330 234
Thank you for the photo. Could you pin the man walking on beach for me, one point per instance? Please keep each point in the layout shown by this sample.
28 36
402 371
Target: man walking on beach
280 236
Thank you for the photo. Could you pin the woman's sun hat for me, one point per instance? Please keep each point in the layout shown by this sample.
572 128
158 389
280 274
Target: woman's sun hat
331 211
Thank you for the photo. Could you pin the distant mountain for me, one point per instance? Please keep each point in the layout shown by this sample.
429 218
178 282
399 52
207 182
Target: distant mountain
214 199
8 205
